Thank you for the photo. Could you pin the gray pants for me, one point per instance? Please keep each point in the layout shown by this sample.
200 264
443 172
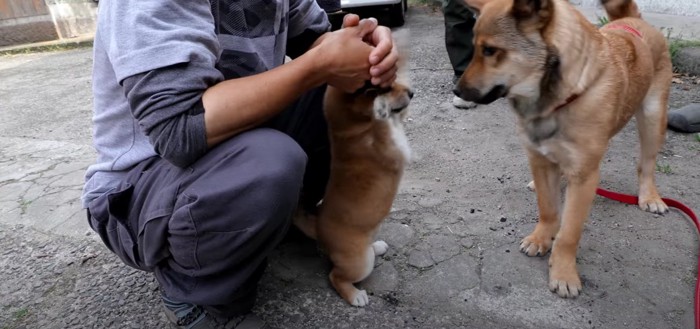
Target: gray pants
205 231
459 24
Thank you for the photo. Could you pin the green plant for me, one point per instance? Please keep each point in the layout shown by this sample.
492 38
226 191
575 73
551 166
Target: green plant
675 45
602 20
430 3
47 48
21 313
664 168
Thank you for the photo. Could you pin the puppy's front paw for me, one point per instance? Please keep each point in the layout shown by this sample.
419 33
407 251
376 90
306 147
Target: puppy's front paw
381 110
564 280
531 185
360 298
536 244
380 247
653 204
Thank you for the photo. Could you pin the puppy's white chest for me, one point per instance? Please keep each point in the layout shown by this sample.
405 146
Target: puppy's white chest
545 151
399 137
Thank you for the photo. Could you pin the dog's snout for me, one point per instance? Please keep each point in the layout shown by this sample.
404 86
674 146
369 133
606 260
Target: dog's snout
410 94
474 95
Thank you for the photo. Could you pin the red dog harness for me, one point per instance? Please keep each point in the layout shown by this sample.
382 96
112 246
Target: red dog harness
614 26
620 26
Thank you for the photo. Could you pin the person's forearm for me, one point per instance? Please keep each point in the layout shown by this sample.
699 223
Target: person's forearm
236 105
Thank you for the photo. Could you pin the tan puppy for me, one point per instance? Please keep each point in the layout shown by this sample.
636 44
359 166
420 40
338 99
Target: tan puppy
368 152
572 87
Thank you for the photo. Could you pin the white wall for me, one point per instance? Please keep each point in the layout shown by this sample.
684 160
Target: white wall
74 17
673 7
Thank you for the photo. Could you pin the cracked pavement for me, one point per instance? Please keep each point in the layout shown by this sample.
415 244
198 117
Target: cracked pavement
453 234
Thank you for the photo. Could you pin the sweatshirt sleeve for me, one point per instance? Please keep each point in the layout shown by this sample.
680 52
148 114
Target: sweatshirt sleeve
164 55
169 110
307 22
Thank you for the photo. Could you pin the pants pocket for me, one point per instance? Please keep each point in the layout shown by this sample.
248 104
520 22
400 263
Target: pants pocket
109 218
153 238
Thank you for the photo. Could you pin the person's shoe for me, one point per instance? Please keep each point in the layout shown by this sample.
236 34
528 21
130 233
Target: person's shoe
462 104
685 119
248 321
189 316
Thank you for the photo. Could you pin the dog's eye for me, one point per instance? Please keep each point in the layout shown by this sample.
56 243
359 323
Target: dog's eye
488 51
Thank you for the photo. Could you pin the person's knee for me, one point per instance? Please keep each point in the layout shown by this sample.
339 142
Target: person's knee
256 176
275 173
242 202
280 161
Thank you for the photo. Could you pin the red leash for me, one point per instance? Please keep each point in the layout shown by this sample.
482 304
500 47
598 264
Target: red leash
631 199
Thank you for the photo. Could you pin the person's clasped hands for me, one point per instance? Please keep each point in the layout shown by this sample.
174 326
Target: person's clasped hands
360 51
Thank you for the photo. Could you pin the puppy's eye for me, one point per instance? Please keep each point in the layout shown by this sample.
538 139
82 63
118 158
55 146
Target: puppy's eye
488 51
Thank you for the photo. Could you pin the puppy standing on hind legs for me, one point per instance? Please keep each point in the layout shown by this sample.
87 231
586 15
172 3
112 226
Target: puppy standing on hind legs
368 153
572 88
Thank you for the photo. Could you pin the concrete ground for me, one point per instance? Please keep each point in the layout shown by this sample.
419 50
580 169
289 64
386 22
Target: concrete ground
453 234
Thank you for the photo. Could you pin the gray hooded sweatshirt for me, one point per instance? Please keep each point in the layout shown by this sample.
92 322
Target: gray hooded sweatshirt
153 60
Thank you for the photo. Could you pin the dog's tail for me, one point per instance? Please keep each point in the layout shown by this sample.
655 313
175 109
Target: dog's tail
305 222
617 9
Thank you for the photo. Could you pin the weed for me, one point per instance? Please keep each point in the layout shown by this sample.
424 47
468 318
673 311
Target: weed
675 45
430 3
602 21
47 48
20 314
664 168
24 204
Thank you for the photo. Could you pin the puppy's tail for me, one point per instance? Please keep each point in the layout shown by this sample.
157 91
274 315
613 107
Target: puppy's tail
305 222
617 9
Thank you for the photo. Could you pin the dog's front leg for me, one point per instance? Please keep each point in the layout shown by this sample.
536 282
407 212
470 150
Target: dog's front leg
563 276
546 177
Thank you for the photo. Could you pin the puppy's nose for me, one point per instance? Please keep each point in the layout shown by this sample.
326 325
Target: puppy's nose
457 92
410 94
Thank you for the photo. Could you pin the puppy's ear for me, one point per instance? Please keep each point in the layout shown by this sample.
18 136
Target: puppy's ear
475 5
535 11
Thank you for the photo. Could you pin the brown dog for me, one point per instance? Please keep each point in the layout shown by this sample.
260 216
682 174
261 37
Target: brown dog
572 87
368 152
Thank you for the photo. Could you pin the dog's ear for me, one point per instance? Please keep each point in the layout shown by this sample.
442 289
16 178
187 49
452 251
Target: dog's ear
533 10
475 5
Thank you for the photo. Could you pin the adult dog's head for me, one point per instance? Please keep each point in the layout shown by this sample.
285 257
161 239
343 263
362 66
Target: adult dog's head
511 56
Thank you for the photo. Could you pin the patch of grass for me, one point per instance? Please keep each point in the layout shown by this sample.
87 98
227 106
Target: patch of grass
675 45
697 137
602 21
20 314
46 48
432 3
664 168
24 204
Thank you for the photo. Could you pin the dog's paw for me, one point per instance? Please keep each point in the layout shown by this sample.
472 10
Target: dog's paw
360 299
531 185
565 281
381 109
535 245
380 247
653 204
